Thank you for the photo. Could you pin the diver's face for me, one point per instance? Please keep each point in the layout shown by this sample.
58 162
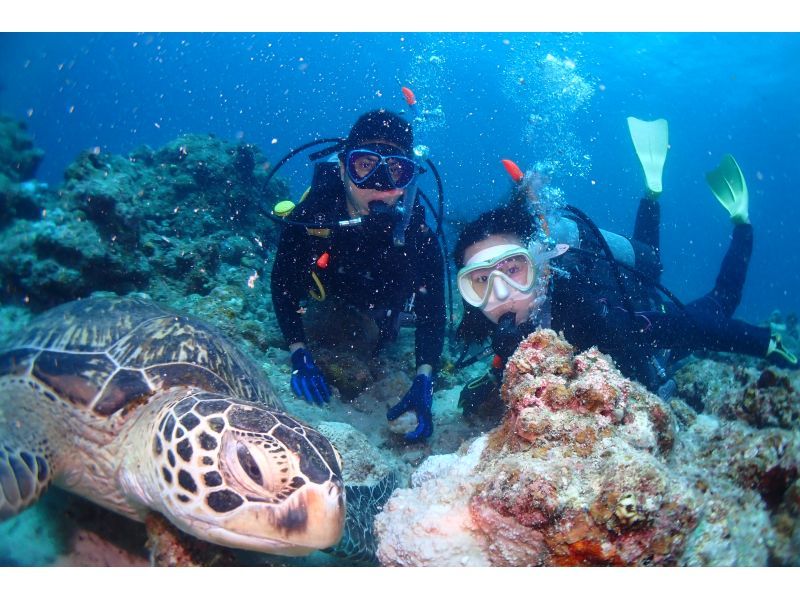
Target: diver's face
358 199
521 304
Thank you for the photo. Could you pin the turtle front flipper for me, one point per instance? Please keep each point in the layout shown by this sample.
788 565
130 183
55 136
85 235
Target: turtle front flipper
24 475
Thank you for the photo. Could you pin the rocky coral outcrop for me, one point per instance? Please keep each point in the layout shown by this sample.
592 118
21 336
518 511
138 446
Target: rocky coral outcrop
588 468
736 390
574 475
745 478
430 523
747 389
182 223
19 158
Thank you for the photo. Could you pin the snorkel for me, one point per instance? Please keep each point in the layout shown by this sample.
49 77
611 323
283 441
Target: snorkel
405 206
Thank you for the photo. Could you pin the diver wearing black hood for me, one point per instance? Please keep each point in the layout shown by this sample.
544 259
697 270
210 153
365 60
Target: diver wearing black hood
584 294
389 260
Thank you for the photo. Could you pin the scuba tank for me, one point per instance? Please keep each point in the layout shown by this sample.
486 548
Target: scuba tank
625 251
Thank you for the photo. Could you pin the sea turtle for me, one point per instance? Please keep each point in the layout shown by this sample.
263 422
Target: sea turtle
141 409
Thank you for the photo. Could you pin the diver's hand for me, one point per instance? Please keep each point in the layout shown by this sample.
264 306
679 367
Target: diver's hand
507 336
307 379
419 399
478 391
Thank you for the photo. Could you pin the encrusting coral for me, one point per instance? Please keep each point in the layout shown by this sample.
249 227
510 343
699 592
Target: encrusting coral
574 475
762 398
588 468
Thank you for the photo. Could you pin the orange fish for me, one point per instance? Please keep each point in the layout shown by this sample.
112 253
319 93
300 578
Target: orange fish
513 170
411 99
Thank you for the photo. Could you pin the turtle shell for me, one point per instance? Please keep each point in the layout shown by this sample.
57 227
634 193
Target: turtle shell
109 354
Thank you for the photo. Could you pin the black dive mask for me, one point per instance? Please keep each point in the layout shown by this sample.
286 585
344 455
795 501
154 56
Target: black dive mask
379 166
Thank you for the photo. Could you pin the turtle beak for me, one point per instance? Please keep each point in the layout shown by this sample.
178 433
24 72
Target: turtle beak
312 519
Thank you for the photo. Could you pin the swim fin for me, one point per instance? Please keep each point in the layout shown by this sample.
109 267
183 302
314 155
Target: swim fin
728 185
779 354
651 141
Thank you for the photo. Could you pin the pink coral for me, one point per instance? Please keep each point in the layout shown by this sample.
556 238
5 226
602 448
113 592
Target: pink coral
576 472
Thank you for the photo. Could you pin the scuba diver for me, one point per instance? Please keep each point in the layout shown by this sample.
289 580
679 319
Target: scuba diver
601 289
365 242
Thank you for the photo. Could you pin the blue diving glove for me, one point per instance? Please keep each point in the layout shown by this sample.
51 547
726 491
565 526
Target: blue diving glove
419 398
307 379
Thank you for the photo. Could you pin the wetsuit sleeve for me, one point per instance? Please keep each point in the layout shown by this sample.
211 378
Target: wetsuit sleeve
289 283
429 301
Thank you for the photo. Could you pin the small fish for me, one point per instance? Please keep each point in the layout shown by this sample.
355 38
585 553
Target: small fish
411 99
302 310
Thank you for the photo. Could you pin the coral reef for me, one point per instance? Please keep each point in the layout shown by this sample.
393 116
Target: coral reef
574 475
19 159
745 478
176 223
588 468
734 389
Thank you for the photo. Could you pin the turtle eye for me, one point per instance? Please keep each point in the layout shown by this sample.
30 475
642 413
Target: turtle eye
249 465
253 469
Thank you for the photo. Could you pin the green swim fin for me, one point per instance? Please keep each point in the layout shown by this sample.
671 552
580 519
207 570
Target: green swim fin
728 185
651 141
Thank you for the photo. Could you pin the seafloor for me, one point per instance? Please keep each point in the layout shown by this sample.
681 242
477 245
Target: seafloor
184 225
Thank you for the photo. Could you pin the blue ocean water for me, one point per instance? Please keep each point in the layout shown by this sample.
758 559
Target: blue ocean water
559 100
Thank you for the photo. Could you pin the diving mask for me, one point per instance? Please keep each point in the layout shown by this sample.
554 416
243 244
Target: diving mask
497 275
379 166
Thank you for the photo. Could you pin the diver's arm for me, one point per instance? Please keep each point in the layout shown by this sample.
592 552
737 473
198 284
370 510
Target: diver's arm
288 287
429 302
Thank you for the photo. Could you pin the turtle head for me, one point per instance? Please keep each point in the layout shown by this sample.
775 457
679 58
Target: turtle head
244 476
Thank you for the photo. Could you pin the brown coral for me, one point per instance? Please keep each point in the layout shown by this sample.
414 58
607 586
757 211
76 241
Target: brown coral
588 468
575 461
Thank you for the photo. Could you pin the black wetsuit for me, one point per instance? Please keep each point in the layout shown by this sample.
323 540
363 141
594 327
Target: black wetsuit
638 324
591 309
365 269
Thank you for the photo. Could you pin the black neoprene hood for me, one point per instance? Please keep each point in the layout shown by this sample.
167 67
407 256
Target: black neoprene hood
381 125
508 220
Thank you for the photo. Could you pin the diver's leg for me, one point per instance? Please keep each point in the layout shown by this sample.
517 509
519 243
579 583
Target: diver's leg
698 328
726 295
648 222
733 271
647 238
